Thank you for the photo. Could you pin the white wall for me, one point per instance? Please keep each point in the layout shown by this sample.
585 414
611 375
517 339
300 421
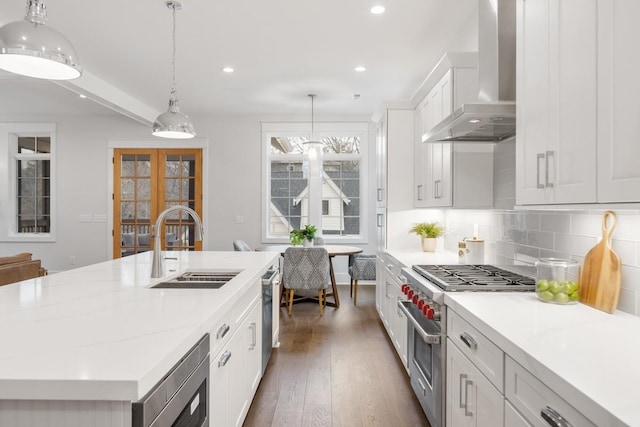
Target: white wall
233 187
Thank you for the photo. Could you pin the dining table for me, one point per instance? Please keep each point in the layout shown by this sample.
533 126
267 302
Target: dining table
333 251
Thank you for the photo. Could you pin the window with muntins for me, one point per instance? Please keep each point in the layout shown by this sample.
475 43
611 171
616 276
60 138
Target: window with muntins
287 180
29 157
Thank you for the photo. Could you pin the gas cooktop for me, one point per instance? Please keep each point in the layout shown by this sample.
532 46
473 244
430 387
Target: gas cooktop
461 277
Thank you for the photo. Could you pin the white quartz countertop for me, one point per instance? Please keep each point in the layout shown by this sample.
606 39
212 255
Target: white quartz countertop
100 332
409 258
590 358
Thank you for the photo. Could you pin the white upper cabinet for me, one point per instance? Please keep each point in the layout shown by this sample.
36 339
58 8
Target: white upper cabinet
618 107
441 169
577 116
394 137
556 101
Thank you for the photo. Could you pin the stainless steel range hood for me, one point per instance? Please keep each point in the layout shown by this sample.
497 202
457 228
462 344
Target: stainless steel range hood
493 118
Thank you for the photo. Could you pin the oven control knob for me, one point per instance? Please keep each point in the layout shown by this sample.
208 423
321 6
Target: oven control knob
430 313
410 293
420 304
425 309
414 298
404 288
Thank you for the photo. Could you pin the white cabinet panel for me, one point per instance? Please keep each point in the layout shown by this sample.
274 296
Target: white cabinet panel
556 108
471 399
618 107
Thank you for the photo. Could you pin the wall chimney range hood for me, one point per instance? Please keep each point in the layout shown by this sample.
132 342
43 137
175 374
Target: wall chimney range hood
493 118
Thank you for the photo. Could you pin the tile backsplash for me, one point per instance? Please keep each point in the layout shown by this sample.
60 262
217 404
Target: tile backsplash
524 236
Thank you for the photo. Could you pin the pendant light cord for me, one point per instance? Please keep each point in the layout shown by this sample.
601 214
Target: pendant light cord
173 56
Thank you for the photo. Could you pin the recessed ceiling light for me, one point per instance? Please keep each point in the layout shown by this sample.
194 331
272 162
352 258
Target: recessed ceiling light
360 68
83 96
227 70
377 9
474 121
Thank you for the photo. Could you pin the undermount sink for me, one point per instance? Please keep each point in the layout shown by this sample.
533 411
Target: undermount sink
198 280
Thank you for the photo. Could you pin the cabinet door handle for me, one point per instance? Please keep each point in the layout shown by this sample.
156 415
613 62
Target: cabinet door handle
462 383
386 289
380 194
467 412
253 328
538 183
550 154
420 195
553 418
224 359
222 331
380 220
469 340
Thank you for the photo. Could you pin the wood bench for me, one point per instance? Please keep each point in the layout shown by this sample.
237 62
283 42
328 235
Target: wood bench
19 267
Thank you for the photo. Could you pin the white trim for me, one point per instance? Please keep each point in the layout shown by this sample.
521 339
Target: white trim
8 214
359 129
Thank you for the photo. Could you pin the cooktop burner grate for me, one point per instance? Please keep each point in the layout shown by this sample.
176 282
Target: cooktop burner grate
475 278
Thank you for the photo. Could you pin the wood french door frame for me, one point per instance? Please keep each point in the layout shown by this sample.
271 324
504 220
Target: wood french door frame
153 180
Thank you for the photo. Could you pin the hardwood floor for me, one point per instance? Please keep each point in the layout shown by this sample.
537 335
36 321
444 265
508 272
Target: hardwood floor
337 370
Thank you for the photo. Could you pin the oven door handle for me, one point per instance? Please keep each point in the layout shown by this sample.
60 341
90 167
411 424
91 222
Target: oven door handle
428 338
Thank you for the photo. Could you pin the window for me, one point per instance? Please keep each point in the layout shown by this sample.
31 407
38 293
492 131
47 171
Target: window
288 182
325 207
29 161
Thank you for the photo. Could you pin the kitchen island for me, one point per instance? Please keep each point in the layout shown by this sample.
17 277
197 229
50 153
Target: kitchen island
101 333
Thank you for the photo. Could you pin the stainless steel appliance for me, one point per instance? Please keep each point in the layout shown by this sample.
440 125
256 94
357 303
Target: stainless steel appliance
426 314
181 398
268 279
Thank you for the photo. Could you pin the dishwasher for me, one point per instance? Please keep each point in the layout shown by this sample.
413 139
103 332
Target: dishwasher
268 280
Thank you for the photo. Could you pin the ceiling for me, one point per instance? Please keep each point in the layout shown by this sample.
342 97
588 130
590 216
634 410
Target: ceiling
281 50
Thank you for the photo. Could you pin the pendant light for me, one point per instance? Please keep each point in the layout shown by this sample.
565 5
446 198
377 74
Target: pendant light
313 143
31 48
173 123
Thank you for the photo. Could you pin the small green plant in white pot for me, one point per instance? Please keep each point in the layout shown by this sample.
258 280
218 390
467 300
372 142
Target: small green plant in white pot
304 236
429 232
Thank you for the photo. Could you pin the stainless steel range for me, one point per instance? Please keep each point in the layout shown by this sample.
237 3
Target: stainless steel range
426 314
459 277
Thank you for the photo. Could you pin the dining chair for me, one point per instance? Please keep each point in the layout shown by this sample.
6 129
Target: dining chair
361 267
305 269
241 246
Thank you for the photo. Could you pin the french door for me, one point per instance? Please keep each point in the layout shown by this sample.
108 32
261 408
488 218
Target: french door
146 182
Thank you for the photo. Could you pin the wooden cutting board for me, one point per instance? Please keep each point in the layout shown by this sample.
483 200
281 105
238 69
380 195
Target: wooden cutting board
600 275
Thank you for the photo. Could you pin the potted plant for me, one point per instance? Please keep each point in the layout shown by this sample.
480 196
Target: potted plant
304 236
429 232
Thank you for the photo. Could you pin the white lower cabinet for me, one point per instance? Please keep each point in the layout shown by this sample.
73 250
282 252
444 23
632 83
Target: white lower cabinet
537 403
389 282
513 418
471 398
236 370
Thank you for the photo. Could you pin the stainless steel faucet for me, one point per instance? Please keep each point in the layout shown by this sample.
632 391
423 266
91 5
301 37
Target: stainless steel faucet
156 266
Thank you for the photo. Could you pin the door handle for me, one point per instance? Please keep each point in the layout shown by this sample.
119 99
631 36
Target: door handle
540 157
467 412
462 386
253 328
380 220
550 154
380 194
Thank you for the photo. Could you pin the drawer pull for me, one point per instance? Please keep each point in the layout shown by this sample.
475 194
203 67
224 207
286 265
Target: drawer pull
222 331
224 359
553 418
469 341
